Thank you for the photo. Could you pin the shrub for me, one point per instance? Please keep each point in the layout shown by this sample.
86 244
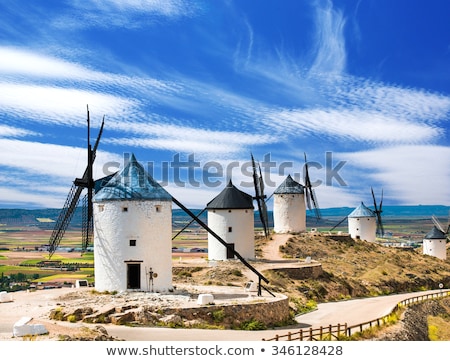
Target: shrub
252 325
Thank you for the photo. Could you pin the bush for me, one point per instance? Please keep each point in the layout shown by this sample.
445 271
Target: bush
252 325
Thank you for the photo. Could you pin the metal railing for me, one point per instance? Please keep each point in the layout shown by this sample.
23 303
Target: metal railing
340 331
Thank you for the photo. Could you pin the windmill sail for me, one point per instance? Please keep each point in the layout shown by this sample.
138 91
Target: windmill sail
224 243
260 196
311 199
378 211
438 224
338 224
73 199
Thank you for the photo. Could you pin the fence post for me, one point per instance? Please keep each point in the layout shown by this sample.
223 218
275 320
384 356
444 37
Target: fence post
289 336
310 334
301 335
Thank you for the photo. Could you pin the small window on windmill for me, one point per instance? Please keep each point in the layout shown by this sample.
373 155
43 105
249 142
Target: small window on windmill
229 211
132 243
158 208
230 229
101 207
124 209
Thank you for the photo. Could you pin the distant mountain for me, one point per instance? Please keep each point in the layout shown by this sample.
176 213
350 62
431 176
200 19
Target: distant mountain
419 211
45 218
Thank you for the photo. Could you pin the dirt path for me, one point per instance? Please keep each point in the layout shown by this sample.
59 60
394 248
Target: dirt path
271 250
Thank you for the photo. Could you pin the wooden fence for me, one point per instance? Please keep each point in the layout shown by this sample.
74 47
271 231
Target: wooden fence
336 332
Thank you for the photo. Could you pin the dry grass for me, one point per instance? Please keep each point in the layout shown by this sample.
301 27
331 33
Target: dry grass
355 268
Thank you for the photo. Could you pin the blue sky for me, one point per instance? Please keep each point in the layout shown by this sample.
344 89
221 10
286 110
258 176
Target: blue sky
361 87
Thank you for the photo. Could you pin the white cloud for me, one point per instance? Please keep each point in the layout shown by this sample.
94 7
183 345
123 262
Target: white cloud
58 105
409 174
57 162
352 124
21 198
330 54
23 62
187 139
7 131
124 13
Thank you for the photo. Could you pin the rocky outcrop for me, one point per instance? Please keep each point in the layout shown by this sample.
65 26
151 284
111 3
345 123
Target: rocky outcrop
414 325
265 312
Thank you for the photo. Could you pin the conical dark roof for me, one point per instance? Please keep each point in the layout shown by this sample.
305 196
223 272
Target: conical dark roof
132 183
290 186
231 198
435 233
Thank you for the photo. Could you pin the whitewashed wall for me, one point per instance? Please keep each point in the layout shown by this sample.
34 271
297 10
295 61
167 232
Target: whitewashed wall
147 222
363 227
242 234
289 213
435 247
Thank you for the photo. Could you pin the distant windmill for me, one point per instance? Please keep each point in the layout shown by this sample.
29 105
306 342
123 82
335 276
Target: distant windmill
260 197
79 184
377 212
435 241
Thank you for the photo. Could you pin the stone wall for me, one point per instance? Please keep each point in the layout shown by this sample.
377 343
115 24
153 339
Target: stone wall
414 324
269 313
301 273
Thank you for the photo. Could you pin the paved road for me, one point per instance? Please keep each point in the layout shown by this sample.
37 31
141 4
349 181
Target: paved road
352 311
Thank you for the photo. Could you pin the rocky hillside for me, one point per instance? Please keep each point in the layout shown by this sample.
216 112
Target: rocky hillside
351 268
355 268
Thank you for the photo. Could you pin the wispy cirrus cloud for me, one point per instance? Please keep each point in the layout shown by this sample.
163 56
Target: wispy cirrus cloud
46 104
329 53
409 174
131 14
50 160
7 131
356 125
188 139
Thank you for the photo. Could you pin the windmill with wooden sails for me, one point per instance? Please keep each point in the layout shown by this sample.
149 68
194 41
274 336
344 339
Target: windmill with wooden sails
435 241
291 199
86 182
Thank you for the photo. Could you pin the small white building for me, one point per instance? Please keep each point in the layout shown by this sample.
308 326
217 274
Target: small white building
362 223
435 244
132 233
231 217
289 209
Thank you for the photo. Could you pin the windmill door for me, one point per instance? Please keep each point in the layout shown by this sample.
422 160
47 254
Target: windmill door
230 250
133 276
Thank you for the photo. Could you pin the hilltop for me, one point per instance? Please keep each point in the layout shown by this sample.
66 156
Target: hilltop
350 269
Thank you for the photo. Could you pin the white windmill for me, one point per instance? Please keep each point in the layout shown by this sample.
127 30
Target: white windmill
231 217
435 242
290 202
133 233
